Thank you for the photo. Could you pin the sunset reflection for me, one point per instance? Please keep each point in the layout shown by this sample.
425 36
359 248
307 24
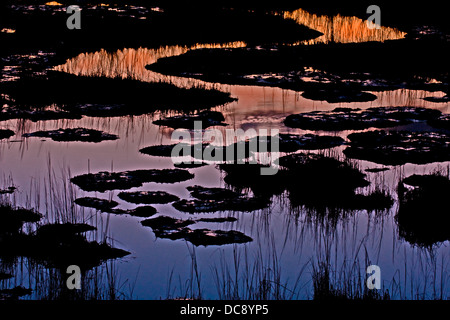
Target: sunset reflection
130 63
341 29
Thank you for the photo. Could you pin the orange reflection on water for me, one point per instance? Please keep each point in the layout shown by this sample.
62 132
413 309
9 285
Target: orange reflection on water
130 63
341 28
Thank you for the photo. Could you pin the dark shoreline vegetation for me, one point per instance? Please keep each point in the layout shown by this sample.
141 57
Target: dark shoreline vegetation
77 96
54 246
176 24
286 67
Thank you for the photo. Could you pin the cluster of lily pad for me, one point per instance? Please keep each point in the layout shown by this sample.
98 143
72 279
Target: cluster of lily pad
174 229
383 146
399 147
357 119
208 200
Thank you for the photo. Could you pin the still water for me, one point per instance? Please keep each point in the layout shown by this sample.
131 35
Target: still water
287 242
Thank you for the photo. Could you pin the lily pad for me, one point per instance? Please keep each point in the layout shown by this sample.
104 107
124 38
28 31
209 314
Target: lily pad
174 229
242 203
206 237
165 150
207 119
104 180
148 197
204 193
187 165
142 211
295 142
96 203
338 95
166 223
76 134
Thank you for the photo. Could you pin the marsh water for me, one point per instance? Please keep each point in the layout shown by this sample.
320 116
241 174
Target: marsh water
287 242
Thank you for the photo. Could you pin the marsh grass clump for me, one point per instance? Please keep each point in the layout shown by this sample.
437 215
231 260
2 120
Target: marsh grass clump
47 244
60 245
247 176
315 181
352 288
423 215
314 175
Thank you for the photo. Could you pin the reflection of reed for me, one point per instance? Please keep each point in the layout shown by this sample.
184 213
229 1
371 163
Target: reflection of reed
99 283
342 29
130 63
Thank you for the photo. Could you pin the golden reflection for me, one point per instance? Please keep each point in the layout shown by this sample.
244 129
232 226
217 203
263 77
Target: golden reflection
53 3
341 28
130 63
